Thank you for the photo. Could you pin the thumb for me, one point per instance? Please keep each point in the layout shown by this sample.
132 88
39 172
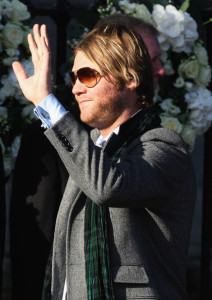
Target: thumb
19 71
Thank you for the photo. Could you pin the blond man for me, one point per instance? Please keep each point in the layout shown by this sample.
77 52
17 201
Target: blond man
123 226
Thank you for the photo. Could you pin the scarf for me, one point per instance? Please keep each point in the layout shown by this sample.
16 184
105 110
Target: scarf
96 243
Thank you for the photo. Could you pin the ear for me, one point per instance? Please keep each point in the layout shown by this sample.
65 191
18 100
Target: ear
131 84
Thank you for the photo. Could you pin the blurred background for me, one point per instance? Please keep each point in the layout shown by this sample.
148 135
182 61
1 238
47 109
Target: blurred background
60 17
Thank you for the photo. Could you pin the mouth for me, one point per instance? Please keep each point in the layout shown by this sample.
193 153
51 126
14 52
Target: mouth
83 101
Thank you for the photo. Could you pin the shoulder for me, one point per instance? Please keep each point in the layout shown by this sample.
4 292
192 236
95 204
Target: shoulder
167 147
165 137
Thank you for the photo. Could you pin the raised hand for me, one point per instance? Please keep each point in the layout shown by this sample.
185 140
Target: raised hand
37 87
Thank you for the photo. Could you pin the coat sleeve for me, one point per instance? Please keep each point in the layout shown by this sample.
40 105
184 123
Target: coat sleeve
151 170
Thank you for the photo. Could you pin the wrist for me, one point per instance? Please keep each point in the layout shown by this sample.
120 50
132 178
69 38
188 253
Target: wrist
42 99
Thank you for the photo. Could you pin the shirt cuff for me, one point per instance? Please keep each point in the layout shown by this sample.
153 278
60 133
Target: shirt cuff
49 111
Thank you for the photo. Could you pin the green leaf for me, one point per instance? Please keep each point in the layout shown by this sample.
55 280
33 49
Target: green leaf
185 5
210 20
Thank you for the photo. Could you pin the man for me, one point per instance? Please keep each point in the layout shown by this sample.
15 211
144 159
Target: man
123 226
34 205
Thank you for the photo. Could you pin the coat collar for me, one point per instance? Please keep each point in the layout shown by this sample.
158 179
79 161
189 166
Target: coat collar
126 129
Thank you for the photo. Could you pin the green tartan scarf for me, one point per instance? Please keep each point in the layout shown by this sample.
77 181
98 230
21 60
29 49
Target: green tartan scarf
97 256
96 245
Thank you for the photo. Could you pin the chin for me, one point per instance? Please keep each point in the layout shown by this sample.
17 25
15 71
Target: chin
86 121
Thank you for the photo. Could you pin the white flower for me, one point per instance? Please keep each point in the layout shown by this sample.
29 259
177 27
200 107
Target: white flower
168 106
108 10
200 123
190 33
12 35
12 52
169 20
179 83
142 12
19 11
171 123
188 85
189 135
177 29
10 86
204 76
127 7
200 105
5 8
189 69
201 54
168 67
168 23
164 56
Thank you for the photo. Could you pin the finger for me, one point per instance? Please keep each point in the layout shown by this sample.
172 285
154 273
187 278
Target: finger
46 57
37 36
19 72
33 49
45 65
45 49
43 30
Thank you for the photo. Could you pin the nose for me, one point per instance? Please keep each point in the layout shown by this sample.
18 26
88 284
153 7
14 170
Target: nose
79 88
158 68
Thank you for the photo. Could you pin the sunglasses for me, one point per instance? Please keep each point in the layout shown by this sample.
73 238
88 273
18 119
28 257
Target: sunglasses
87 76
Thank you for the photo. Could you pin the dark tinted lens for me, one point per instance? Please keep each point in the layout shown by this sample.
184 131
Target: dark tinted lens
87 76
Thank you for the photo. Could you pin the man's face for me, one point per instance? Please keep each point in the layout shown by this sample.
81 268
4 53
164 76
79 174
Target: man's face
102 106
154 49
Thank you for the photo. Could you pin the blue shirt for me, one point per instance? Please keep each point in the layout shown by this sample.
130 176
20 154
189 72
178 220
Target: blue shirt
49 111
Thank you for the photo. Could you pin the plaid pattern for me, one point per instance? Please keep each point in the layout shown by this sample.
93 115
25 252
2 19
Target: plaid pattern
97 258
98 277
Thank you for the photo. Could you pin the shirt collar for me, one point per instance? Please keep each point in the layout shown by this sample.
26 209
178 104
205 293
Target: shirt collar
101 141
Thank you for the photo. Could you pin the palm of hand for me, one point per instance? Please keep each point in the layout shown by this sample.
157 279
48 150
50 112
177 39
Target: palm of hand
37 87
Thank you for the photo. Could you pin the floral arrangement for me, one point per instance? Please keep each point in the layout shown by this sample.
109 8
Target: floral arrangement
186 107
15 110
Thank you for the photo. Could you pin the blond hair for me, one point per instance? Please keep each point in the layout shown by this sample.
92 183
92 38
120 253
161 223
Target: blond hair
116 50
130 22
